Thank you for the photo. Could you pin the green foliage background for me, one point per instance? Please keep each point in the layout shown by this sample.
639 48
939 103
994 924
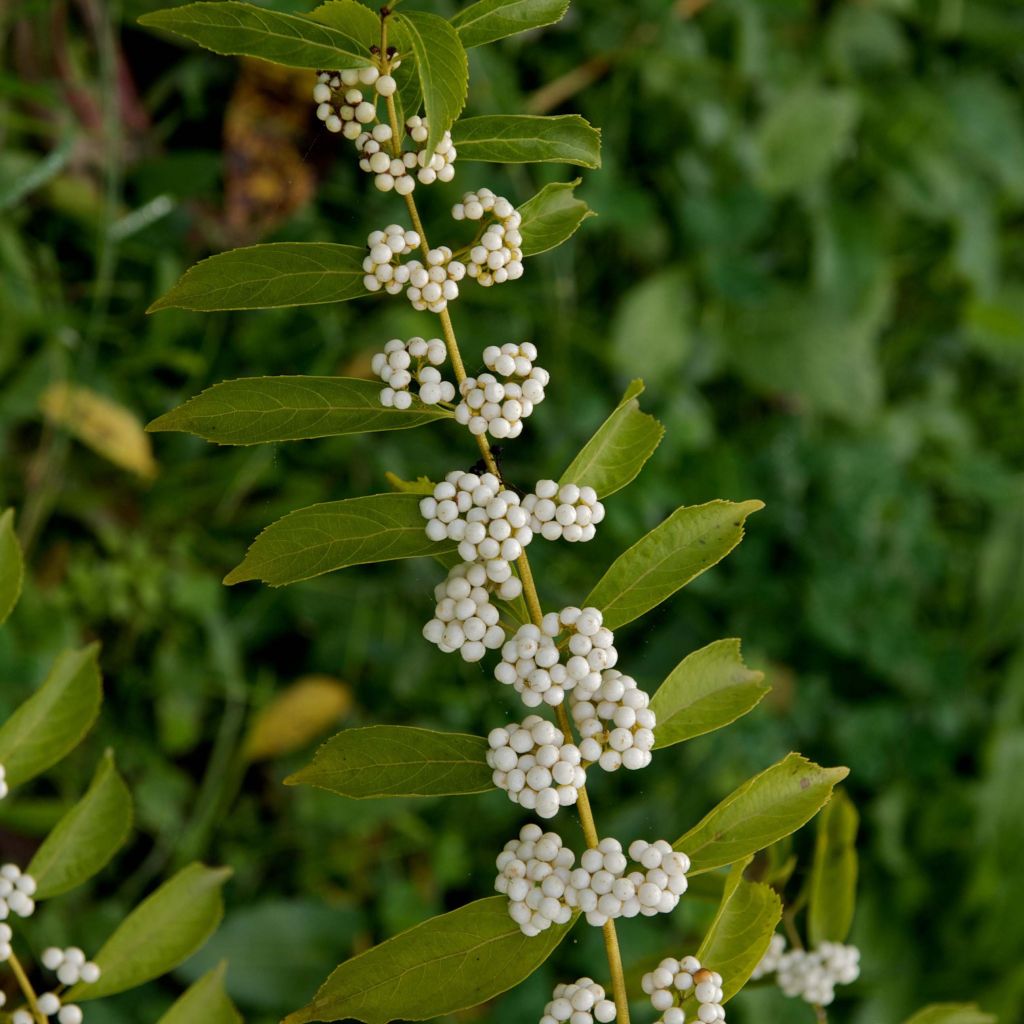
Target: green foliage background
809 243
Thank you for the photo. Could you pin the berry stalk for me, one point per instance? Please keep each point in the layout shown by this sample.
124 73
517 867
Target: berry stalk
26 988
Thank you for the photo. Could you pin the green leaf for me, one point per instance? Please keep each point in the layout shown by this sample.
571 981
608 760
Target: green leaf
12 569
353 18
256 410
952 1013
551 217
691 540
707 690
53 721
525 138
442 65
763 810
268 276
396 760
651 329
241 29
618 450
741 931
164 930
487 20
833 887
337 534
448 963
205 1002
87 837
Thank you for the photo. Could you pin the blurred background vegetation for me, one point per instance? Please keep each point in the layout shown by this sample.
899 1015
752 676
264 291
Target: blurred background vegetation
809 244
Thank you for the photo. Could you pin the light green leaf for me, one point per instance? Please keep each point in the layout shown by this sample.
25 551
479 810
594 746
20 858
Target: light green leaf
87 837
268 276
205 1002
337 534
256 410
551 217
833 888
396 760
448 963
12 569
487 20
952 1013
743 926
763 810
165 929
442 65
707 690
353 18
52 722
525 138
651 327
618 450
245 30
691 540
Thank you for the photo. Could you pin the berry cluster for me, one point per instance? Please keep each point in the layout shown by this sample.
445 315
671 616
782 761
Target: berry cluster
674 980
769 963
4 788
435 285
499 407
380 265
567 512
70 965
436 166
497 256
581 1002
464 619
395 368
341 104
16 892
50 1006
535 765
813 974
6 937
616 725
533 871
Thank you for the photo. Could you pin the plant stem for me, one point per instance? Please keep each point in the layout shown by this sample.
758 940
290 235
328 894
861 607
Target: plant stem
26 988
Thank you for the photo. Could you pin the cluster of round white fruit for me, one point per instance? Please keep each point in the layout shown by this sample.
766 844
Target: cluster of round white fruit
581 1002
395 368
4 788
567 512
380 267
675 980
70 965
427 287
340 102
464 618
813 974
535 765
769 963
533 871
16 892
497 256
499 407
395 171
49 1005
616 725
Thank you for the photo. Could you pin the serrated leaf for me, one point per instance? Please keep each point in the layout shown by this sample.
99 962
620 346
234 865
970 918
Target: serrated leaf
442 65
765 808
397 760
205 1002
87 837
164 930
257 410
422 485
527 138
618 450
296 716
952 1013
53 721
741 931
551 217
270 276
337 534
487 20
691 540
707 690
239 29
448 963
12 568
353 18
833 885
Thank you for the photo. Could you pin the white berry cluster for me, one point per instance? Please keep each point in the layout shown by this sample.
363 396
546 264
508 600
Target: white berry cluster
16 892
341 104
464 619
533 871
400 171
380 265
436 166
581 1002
499 407
70 965
395 368
616 725
567 512
497 256
536 767
769 963
6 937
4 788
49 1005
435 285
813 974
674 980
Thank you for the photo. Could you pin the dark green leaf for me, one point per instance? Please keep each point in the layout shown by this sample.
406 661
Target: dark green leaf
651 333
12 569
205 1002
833 889
551 217
256 410
354 19
525 138
952 1013
487 20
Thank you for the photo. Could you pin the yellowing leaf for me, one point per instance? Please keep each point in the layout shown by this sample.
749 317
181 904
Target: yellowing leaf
297 716
107 428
